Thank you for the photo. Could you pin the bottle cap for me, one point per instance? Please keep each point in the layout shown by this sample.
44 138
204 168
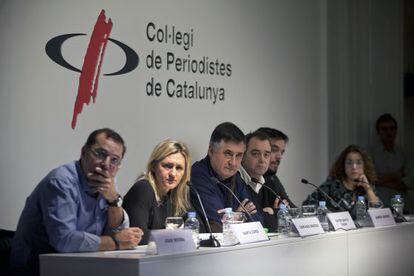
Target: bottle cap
397 196
191 214
322 203
282 206
361 198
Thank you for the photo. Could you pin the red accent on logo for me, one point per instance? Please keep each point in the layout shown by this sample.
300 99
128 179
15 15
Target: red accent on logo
89 78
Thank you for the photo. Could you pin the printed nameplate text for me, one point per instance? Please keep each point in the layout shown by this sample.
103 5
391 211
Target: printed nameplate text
173 241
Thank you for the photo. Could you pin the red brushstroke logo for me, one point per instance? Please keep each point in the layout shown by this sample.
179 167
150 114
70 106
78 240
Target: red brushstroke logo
92 63
89 78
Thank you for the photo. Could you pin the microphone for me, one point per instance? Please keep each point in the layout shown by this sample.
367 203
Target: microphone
234 195
212 241
331 200
397 216
267 187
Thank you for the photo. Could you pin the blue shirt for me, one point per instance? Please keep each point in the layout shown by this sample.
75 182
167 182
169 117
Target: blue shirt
61 215
213 195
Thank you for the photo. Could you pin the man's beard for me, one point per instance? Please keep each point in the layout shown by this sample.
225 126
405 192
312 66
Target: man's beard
272 171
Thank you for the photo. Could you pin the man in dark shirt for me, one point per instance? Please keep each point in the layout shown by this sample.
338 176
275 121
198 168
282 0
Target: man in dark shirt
255 163
218 169
394 174
278 142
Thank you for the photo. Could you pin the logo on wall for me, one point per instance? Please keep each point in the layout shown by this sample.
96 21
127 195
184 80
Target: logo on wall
93 60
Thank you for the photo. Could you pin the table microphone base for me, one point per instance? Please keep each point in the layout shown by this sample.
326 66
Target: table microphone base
211 242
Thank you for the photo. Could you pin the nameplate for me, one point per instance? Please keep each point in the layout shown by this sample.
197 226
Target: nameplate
308 226
381 217
249 232
173 241
341 220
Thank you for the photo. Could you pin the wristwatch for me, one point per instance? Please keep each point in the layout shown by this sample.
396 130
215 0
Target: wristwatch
117 202
116 242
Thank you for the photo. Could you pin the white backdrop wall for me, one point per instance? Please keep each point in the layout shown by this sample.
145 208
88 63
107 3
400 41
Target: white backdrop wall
277 54
365 70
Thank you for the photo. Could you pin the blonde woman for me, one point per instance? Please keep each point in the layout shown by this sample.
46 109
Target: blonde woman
162 190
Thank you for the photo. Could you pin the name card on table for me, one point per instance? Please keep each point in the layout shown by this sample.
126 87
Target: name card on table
381 217
341 220
249 232
173 241
308 226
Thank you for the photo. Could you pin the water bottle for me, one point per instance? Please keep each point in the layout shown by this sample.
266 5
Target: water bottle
397 203
283 221
322 217
361 211
193 224
227 220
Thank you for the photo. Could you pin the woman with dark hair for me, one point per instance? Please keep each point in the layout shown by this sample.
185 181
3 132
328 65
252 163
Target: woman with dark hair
162 190
351 175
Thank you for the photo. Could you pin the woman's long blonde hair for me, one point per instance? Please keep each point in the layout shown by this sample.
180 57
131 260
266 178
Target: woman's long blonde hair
179 195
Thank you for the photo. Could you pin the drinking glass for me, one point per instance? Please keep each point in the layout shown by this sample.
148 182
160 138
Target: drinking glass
308 210
374 204
173 223
294 212
239 217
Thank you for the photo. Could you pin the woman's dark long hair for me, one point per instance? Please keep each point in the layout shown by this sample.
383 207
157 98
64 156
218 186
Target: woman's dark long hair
338 168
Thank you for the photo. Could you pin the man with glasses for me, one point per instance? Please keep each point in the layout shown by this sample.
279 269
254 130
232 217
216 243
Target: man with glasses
76 207
215 175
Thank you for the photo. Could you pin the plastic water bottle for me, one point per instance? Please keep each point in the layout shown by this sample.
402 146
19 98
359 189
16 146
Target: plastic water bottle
397 203
361 212
227 220
283 221
322 217
193 224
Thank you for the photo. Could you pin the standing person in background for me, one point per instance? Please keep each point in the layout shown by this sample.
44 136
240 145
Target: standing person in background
76 208
218 169
162 191
351 175
394 174
278 142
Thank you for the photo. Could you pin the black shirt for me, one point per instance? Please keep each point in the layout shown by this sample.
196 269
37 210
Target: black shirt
144 211
273 182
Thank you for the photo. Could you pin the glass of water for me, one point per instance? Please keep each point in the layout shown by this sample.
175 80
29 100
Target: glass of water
308 211
174 223
374 204
294 212
239 217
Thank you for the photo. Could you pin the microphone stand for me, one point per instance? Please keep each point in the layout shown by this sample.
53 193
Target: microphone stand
267 187
234 195
333 202
212 241
397 216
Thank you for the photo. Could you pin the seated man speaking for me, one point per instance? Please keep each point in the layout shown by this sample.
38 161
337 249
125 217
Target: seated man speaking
76 208
218 169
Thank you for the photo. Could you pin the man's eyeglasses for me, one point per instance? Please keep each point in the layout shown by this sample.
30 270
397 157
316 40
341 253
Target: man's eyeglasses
102 155
357 163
